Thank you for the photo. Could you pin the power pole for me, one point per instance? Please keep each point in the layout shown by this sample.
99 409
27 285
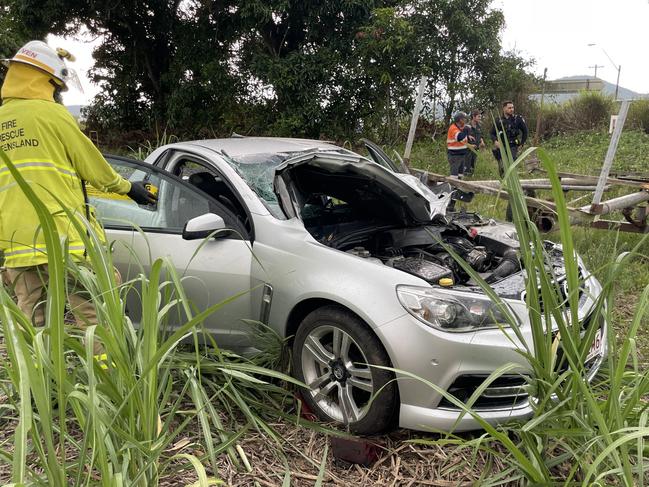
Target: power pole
540 115
413 121
596 66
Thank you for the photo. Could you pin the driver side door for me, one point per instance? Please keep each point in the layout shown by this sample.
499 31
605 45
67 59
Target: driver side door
211 270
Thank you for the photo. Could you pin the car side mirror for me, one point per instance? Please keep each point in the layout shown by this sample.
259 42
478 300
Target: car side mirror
203 226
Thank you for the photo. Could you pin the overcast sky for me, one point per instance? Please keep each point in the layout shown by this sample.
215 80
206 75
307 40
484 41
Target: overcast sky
556 33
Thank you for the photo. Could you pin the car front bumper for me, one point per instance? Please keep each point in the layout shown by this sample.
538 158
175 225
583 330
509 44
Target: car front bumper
435 361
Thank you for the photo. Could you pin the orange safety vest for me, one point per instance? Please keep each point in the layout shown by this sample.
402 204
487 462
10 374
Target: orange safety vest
452 143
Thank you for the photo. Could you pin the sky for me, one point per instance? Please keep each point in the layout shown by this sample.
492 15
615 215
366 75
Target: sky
556 33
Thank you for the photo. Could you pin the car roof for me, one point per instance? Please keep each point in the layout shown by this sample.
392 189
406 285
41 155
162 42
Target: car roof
246 146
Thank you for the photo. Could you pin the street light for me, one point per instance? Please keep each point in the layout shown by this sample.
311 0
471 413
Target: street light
616 66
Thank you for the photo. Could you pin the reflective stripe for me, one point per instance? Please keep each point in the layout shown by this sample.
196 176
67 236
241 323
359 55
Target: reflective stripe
452 143
14 251
40 166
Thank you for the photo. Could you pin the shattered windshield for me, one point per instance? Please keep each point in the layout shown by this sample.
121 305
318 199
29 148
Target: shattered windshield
258 171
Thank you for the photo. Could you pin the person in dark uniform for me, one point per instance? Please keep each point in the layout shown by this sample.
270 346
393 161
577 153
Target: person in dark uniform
510 129
475 131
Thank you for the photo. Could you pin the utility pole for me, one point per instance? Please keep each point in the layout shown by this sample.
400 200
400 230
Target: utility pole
596 66
413 121
616 66
540 115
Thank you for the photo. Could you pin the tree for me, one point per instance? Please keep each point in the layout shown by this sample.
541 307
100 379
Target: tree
12 33
459 43
333 68
300 52
160 62
505 77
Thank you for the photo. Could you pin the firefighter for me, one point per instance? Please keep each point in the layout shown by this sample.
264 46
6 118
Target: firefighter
45 144
456 144
510 128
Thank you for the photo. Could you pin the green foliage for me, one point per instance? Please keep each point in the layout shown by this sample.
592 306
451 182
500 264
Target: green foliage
338 69
590 110
505 78
639 115
584 151
552 119
146 147
12 33
122 422
459 47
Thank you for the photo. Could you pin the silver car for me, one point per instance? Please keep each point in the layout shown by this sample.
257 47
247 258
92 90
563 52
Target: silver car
344 255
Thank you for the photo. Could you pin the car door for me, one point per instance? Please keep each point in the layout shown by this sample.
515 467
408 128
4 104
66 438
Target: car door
379 156
212 270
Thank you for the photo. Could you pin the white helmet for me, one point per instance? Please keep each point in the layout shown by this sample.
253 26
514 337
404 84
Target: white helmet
39 55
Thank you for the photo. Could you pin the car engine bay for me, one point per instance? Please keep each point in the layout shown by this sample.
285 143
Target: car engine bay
428 252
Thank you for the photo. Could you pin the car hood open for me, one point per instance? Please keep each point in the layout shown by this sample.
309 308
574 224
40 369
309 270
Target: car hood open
353 179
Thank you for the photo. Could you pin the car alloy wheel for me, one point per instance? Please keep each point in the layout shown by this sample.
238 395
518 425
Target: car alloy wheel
332 350
333 367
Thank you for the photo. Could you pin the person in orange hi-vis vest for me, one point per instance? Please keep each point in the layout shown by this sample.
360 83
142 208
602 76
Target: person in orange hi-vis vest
456 144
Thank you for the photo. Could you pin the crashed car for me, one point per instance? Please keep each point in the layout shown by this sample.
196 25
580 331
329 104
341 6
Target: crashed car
350 260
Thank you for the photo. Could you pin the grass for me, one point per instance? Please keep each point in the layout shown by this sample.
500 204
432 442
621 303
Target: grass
118 424
123 426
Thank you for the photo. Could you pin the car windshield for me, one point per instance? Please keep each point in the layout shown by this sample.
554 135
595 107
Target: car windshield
258 171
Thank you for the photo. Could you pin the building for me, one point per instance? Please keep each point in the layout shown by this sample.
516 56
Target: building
563 89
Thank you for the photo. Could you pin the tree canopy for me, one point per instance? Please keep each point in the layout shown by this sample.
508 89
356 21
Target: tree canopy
333 68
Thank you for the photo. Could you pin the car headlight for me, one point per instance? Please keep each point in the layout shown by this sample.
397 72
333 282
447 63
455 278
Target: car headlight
452 312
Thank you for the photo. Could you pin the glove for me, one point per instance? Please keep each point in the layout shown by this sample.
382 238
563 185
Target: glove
141 195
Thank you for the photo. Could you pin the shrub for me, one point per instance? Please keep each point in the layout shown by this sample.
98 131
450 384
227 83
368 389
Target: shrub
552 117
590 110
639 115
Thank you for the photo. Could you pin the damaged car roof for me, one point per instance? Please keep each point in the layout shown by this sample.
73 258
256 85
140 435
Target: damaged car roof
238 147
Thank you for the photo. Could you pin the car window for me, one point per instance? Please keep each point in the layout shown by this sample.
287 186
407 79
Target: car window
177 203
199 174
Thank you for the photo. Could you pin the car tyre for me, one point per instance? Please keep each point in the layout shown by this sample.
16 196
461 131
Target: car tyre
331 350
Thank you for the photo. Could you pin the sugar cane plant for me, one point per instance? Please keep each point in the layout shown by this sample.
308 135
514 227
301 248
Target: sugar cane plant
81 422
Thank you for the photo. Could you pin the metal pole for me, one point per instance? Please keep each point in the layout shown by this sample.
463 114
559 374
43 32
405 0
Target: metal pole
617 83
415 118
619 203
540 115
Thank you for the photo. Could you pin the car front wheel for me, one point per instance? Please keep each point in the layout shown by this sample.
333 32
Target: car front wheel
332 354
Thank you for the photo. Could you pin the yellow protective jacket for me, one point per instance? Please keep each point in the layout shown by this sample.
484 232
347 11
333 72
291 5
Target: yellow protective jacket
44 142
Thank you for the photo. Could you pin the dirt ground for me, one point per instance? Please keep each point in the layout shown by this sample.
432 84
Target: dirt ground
301 452
399 462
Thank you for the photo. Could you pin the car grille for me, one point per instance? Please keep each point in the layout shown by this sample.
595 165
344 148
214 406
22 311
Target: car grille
505 391
509 390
